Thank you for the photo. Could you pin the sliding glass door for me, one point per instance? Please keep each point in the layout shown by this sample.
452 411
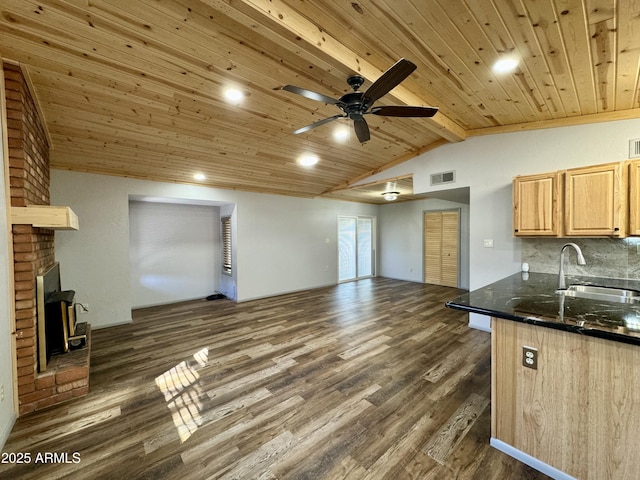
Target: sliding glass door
356 248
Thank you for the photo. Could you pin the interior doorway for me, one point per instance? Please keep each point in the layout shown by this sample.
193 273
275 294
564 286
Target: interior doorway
356 247
441 247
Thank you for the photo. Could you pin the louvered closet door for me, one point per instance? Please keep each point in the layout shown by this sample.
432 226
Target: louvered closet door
450 222
432 247
441 247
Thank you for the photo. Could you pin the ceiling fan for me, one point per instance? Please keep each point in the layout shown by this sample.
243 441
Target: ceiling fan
355 104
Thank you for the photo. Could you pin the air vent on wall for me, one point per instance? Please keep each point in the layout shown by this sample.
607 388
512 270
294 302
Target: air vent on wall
443 177
634 148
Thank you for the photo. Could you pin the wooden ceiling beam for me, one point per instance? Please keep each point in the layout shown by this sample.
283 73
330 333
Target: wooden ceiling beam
286 17
376 182
397 161
559 122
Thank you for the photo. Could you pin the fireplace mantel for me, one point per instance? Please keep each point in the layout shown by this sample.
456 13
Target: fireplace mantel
45 216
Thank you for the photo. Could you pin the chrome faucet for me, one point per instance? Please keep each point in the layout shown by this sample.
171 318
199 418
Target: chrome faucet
581 261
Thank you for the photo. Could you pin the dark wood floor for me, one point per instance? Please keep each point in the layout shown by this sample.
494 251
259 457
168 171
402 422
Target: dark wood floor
374 379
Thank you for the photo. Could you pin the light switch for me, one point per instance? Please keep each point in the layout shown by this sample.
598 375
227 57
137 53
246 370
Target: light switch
488 243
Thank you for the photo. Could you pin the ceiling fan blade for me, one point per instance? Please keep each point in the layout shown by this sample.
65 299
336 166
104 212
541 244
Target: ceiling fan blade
362 129
318 123
312 95
404 111
388 80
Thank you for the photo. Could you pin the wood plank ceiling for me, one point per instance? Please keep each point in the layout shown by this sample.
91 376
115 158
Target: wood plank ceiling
135 88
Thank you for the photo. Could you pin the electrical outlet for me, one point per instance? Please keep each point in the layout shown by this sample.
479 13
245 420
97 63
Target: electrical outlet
488 243
530 357
84 307
1 393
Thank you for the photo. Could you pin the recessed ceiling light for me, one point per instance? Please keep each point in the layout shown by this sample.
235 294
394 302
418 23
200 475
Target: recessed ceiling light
505 65
308 160
341 133
233 96
199 176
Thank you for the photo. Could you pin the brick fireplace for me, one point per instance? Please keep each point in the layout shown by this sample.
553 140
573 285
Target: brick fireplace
33 250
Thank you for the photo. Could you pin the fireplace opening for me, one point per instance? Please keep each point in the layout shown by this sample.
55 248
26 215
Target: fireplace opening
58 331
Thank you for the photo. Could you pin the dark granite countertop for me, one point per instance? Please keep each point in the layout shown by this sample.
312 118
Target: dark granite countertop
532 298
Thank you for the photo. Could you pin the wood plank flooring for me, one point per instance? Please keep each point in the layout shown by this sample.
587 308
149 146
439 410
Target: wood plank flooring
373 379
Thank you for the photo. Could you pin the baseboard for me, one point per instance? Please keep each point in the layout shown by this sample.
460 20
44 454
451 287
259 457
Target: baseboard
169 302
480 322
6 430
108 325
287 292
529 460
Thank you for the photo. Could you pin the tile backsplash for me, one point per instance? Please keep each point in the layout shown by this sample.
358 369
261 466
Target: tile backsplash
606 257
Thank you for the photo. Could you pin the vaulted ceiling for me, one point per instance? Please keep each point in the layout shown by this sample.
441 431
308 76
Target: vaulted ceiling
135 87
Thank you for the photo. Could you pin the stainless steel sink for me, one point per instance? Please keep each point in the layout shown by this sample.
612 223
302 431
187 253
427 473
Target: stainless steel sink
609 294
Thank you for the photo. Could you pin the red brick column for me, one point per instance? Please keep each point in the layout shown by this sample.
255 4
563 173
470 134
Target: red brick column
33 248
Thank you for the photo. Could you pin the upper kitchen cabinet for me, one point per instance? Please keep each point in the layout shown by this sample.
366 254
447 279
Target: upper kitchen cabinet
595 201
634 197
536 205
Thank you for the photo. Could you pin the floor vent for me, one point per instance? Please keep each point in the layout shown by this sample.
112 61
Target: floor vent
443 177
634 148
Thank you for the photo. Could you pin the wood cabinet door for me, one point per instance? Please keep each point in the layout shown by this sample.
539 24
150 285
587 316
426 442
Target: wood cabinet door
441 245
578 411
634 197
536 205
595 201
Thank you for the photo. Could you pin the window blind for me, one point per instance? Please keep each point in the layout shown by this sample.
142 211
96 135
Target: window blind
226 245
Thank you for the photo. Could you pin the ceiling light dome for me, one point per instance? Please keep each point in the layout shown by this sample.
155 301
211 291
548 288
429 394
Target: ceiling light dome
506 65
341 133
308 160
390 196
233 96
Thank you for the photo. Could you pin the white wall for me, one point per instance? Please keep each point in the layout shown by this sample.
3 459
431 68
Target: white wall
402 239
269 263
281 244
7 412
488 164
287 244
174 252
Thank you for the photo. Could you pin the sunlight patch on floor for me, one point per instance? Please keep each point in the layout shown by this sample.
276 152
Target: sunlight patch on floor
182 392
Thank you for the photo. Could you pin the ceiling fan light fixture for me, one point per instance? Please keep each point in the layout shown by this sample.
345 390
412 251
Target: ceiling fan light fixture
308 160
505 65
390 196
355 104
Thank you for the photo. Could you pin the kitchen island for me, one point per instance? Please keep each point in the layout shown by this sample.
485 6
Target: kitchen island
577 413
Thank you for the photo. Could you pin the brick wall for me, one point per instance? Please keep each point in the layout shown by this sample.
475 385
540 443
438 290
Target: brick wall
33 248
